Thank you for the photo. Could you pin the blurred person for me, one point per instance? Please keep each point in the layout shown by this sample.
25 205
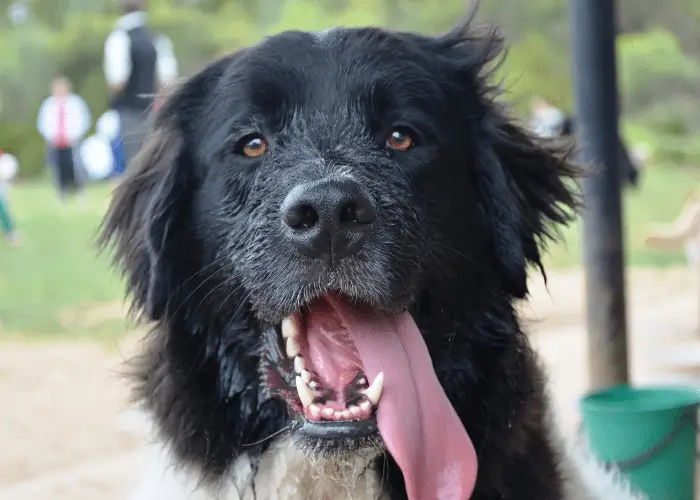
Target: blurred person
629 164
49 156
547 120
7 224
117 145
64 119
683 232
137 65
108 126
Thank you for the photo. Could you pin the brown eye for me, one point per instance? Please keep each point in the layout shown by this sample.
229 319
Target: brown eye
400 140
254 147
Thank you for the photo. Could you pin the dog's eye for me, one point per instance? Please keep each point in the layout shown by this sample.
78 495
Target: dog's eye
253 146
400 140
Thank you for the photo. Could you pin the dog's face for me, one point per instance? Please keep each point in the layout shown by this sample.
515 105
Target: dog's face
300 198
326 142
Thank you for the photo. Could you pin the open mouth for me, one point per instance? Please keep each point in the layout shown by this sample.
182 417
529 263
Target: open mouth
348 373
329 375
321 376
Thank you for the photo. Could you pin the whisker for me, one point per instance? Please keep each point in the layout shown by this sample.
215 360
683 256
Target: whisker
385 472
217 287
194 275
248 445
241 302
182 304
447 247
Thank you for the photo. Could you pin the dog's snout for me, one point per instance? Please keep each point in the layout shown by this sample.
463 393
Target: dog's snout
328 218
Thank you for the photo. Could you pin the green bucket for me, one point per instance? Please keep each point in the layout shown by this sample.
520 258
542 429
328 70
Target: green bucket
647 433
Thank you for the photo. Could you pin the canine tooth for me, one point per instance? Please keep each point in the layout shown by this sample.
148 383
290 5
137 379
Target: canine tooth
305 394
315 410
293 347
355 410
299 364
328 412
289 327
374 391
306 376
366 406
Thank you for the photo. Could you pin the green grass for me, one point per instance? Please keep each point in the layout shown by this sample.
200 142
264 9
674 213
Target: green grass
57 271
658 200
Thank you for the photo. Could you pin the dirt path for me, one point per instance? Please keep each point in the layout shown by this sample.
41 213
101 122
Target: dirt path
58 432
64 398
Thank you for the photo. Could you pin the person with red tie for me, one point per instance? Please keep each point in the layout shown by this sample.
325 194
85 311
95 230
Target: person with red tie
63 121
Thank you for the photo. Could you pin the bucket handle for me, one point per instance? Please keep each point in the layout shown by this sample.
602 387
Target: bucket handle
636 461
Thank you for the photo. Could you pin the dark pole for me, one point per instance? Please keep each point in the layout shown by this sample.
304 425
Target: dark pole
594 69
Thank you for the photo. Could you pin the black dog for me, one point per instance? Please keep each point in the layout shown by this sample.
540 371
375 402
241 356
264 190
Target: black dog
329 232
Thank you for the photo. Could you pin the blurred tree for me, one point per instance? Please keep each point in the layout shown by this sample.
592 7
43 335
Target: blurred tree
659 53
660 88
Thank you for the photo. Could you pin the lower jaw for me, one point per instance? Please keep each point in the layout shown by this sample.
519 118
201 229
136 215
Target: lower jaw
338 440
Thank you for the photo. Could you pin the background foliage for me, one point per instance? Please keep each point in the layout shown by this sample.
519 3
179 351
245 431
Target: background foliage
659 54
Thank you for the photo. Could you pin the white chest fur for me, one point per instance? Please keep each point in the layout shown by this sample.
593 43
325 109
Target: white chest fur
283 473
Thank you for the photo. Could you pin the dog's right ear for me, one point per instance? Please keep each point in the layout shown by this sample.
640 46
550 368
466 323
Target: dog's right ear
141 217
147 216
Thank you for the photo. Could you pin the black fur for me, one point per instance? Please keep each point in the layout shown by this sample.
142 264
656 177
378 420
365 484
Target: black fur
196 229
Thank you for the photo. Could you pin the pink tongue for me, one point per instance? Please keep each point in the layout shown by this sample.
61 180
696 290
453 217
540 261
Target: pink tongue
416 420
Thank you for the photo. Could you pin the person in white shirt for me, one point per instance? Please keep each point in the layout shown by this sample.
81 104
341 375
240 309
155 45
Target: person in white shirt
547 119
64 119
137 65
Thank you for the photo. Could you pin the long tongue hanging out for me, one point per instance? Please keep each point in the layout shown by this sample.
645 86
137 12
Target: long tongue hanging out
416 420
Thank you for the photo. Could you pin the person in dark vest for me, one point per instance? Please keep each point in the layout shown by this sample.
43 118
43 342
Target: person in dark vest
137 65
630 169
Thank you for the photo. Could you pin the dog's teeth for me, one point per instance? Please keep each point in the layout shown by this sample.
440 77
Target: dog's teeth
346 414
355 410
328 412
305 394
338 415
362 381
306 377
289 328
366 406
314 385
374 391
293 348
299 364
315 410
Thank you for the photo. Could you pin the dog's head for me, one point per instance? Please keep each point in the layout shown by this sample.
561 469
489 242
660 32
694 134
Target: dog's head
299 206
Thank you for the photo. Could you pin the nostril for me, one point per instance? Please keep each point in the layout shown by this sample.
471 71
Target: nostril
348 213
365 214
301 217
354 212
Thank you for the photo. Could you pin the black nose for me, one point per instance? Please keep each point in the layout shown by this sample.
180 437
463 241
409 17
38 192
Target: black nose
330 218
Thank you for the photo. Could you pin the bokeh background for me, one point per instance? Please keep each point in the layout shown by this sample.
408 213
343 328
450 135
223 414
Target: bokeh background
66 430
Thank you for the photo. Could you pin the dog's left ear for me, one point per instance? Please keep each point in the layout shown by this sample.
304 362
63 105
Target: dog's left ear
504 217
529 188
523 181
